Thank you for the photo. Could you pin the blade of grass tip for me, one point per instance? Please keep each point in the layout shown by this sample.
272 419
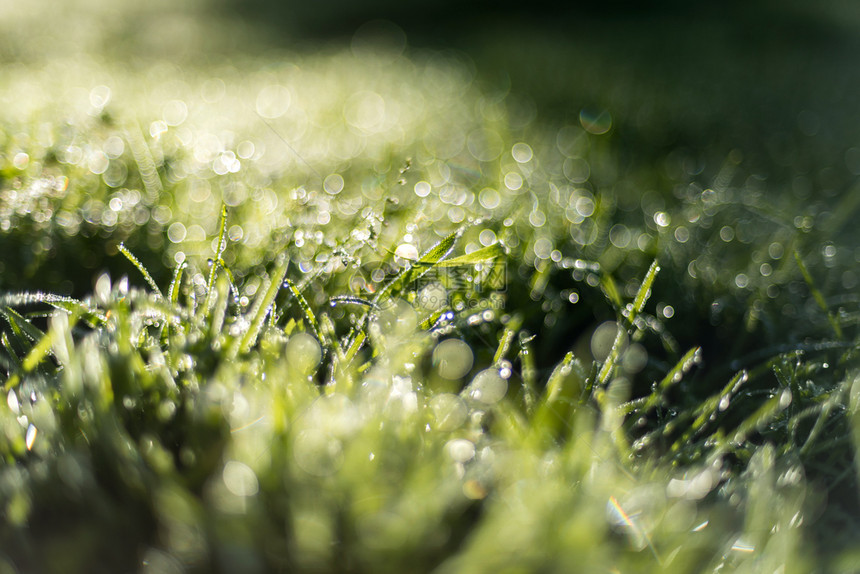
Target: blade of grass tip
529 373
612 359
707 409
504 344
173 290
21 327
420 267
475 257
834 400
222 245
559 399
37 353
675 375
261 307
146 276
610 289
308 313
816 294
644 291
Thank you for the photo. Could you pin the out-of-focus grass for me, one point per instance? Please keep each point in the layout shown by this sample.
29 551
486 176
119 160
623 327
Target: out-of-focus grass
352 312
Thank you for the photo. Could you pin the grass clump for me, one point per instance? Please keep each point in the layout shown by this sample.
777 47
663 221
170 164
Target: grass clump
405 326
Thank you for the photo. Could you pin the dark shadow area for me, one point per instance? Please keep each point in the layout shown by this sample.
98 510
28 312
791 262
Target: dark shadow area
775 80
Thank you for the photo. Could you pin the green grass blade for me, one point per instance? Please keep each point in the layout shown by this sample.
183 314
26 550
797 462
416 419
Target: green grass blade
261 308
216 261
307 311
420 267
173 290
146 276
816 294
475 257
644 290
675 375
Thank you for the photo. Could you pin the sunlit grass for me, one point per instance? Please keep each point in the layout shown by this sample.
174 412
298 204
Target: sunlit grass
349 312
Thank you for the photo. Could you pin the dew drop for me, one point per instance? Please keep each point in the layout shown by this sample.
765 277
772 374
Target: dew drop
31 436
12 401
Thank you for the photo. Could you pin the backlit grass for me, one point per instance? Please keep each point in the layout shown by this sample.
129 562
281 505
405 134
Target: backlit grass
351 312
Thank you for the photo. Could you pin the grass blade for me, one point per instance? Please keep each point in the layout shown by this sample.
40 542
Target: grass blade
644 290
216 262
477 256
261 308
136 262
816 294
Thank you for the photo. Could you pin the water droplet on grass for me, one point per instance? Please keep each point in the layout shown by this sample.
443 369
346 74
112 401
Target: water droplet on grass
12 401
31 436
488 387
460 450
453 358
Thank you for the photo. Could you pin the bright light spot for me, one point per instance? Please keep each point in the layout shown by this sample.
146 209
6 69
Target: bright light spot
668 311
453 358
98 162
662 219
21 160
406 251
682 234
114 147
176 232
741 545
333 184
775 250
584 206
157 128
489 198
487 237
766 270
460 450
174 112
727 233
12 401
273 101
741 280
513 181
522 153
543 248
31 436
422 189
99 97
240 479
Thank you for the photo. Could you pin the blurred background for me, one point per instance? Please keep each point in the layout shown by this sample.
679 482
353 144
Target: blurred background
776 80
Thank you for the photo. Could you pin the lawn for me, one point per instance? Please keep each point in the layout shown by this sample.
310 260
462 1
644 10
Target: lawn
378 304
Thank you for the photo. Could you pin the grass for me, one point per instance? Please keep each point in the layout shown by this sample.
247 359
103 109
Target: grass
352 313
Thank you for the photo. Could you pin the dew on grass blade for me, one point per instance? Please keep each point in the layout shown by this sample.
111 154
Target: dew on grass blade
31 436
488 387
460 450
12 401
